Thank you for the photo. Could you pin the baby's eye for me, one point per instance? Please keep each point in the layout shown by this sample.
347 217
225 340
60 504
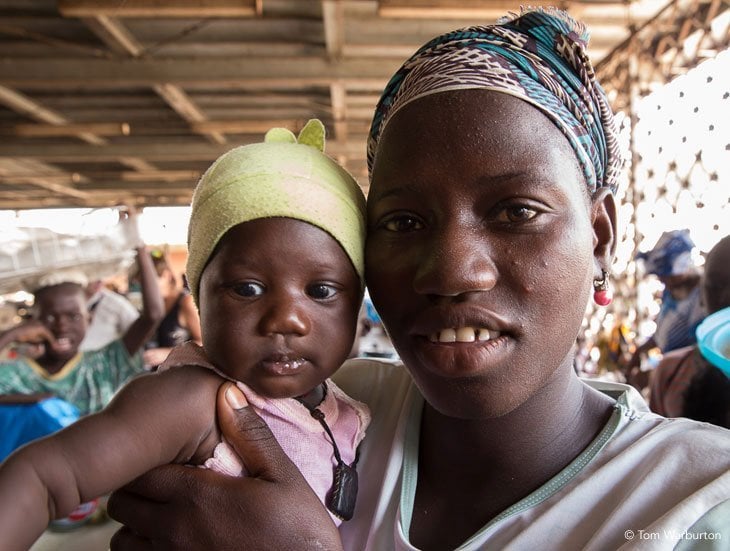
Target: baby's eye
516 213
249 289
403 223
321 291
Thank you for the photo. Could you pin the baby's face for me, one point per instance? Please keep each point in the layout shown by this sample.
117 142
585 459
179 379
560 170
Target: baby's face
278 306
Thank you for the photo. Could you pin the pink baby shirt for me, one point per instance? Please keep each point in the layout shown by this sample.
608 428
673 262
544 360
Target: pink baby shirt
302 437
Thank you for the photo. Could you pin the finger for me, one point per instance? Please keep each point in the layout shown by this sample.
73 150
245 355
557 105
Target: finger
156 485
140 502
250 436
129 509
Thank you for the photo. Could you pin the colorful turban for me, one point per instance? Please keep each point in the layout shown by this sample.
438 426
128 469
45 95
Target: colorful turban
539 57
284 176
672 255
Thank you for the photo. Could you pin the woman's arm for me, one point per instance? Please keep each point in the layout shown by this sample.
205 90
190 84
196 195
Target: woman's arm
273 508
154 420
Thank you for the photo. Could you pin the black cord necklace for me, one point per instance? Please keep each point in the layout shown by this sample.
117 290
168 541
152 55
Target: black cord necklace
341 497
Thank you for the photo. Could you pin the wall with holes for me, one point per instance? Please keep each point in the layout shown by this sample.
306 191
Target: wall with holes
678 176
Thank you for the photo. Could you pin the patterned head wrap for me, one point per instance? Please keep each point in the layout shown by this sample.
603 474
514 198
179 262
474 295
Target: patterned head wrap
672 255
539 57
286 177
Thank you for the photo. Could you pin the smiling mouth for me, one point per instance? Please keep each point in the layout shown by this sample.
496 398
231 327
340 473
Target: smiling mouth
464 334
63 344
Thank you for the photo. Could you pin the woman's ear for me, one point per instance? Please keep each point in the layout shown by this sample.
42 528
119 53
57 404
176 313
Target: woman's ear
603 216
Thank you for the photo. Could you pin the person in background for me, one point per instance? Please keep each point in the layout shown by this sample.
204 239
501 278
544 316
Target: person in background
86 380
111 316
181 322
493 161
685 383
681 309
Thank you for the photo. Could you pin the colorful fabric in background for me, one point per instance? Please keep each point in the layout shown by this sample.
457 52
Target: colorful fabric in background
672 255
534 57
677 320
22 423
87 381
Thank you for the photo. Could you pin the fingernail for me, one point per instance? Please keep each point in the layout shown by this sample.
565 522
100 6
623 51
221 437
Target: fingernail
235 397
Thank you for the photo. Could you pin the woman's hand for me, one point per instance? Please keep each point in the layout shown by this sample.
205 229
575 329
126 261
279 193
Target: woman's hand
177 507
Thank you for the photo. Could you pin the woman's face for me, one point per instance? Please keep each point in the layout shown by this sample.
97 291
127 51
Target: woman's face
480 251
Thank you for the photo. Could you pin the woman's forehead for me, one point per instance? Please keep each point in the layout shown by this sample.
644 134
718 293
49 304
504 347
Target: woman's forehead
491 133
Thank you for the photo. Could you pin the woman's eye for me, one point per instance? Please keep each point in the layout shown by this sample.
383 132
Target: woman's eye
249 289
515 214
403 223
321 291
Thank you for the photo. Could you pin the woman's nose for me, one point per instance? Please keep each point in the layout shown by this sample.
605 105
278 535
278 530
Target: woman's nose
285 315
455 261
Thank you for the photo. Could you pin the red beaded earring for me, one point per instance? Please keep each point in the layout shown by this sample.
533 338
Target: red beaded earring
602 295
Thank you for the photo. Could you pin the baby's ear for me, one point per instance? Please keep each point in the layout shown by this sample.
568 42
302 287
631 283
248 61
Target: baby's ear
313 134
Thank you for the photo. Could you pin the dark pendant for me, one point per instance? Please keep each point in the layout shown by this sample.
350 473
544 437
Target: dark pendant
341 498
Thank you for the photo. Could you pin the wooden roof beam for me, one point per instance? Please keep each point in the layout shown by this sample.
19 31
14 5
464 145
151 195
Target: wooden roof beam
156 9
333 16
287 72
245 127
444 9
71 129
338 98
169 150
26 106
136 163
186 108
93 178
114 34
43 176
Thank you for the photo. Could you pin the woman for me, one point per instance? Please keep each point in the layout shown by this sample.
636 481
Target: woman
491 219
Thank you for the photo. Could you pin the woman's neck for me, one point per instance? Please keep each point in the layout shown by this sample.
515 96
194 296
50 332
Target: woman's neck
493 463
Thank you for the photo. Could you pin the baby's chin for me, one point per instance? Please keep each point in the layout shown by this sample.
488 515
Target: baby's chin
282 387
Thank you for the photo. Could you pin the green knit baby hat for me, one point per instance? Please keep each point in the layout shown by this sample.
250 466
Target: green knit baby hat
285 176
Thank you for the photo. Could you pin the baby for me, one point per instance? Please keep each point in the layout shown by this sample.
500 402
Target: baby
275 265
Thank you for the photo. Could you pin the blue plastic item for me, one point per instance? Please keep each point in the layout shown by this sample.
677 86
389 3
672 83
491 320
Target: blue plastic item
713 339
21 423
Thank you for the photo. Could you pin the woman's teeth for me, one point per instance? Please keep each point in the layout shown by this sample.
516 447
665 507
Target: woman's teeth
463 334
